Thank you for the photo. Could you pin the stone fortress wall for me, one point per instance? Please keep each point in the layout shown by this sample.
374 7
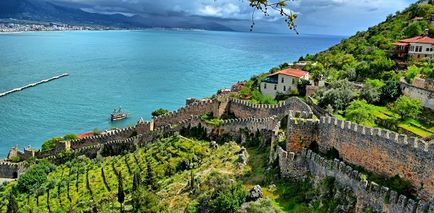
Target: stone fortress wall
368 194
244 109
145 131
378 150
422 91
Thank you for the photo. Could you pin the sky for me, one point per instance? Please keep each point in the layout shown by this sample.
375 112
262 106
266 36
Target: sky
331 17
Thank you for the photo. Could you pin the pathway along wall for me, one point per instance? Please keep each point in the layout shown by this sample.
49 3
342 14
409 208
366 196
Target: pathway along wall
377 150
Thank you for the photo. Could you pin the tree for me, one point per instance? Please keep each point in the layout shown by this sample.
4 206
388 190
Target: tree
407 107
279 5
12 205
34 177
370 93
70 137
150 180
411 73
339 96
145 201
426 10
360 112
50 144
390 91
317 71
414 29
136 187
136 181
121 193
159 112
229 199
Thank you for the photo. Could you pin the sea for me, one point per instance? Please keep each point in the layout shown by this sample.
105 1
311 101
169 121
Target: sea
139 71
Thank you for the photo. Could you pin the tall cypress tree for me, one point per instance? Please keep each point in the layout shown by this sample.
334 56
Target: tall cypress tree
136 181
150 176
121 194
12 205
136 191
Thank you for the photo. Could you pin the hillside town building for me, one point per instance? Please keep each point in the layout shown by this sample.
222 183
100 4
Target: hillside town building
418 47
283 81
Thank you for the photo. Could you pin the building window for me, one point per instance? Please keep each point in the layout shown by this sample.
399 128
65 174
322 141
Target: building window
430 50
284 88
283 80
293 81
265 85
275 87
427 49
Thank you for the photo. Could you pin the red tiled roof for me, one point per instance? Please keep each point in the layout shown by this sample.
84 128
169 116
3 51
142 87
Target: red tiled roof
418 39
400 44
291 72
87 134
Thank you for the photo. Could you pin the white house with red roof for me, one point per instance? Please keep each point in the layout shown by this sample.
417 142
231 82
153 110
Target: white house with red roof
419 47
283 81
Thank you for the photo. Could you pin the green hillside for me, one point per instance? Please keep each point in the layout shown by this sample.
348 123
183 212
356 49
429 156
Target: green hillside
368 54
164 170
368 60
175 174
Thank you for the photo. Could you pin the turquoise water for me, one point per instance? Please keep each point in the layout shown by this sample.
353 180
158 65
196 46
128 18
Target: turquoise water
138 70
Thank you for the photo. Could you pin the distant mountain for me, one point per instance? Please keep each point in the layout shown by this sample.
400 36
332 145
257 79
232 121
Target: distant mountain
40 10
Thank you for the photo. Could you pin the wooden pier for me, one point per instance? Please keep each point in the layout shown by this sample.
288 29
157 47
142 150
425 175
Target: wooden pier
33 84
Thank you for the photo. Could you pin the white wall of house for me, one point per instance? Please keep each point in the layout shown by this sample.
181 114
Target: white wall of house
268 89
285 85
421 50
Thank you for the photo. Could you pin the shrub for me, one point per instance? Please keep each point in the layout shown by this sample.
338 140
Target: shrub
35 176
159 112
407 107
229 199
360 112
259 98
339 96
390 91
50 144
15 159
260 206
220 193
208 118
70 137
370 93
96 131
412 71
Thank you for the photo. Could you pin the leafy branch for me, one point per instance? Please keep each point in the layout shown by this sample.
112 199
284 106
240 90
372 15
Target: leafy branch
280 6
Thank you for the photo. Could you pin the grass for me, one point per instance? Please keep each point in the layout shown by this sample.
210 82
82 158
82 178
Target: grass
417 128
414 126
287 196
211 120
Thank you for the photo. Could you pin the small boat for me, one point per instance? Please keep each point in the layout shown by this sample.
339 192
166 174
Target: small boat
117 115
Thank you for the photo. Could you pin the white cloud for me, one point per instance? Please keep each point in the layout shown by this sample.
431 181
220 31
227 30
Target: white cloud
223 10
315 16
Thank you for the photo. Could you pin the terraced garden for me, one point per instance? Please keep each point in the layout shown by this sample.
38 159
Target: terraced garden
85 185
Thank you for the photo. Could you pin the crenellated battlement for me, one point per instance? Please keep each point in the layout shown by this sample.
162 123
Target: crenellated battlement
196 108
245 109
378 150
110 135
401 139
372 195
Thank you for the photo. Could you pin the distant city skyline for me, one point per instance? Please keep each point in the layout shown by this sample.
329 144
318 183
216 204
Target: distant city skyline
332 17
